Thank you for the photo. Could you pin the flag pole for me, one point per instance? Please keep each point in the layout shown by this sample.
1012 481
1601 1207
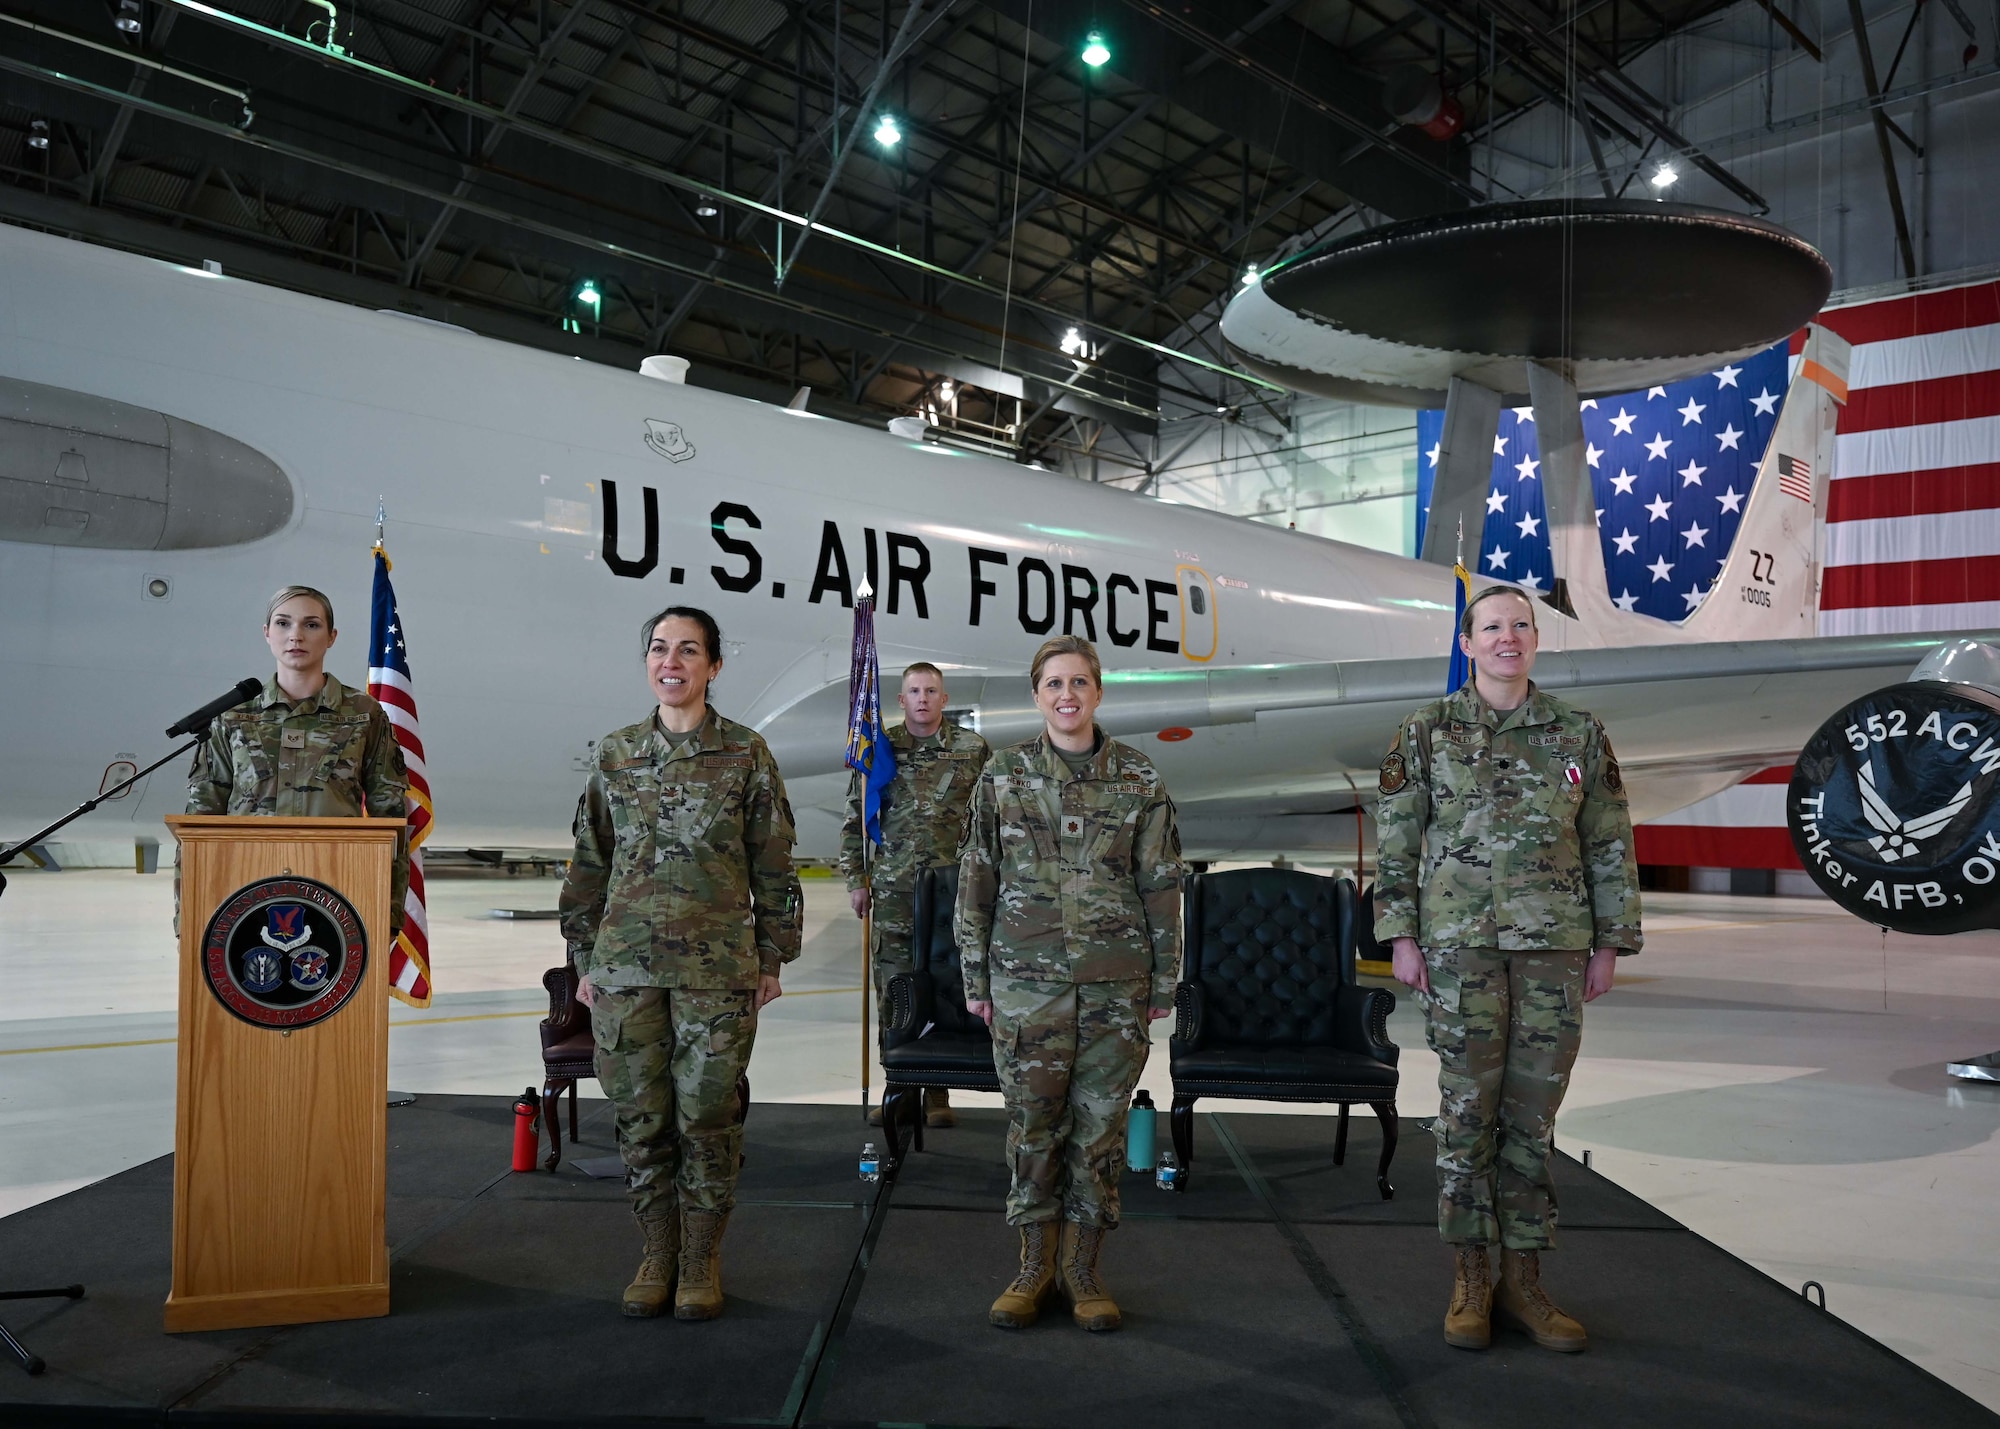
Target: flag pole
867 961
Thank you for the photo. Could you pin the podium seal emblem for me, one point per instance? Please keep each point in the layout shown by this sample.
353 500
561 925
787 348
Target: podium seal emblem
284 952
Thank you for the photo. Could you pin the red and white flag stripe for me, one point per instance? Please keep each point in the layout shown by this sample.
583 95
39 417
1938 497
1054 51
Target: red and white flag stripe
1913 510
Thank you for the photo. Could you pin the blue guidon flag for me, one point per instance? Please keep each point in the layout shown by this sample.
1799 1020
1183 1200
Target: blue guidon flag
868 749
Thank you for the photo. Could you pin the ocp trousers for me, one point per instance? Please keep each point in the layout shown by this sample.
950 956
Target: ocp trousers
1068 1055
671 1061
892 925
1505 1027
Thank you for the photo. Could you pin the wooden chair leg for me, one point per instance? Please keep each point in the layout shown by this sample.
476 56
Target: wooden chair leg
552 1119
573 1135
1385 1112
916 1117
1182 1119
1340 1138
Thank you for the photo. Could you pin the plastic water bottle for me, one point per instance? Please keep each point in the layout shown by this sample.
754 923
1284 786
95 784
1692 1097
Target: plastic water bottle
1168 1176
871 1164
1139 1128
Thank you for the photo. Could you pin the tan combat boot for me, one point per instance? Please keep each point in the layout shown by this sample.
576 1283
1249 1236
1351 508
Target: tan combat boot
1468 1323
1522 1303
700 1294
937 1108
653 1286
1020 1304
1091 1305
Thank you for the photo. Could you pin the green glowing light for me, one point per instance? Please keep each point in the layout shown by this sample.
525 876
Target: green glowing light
1095 51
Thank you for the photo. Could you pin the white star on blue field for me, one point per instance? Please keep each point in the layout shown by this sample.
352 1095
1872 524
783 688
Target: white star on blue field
1670 466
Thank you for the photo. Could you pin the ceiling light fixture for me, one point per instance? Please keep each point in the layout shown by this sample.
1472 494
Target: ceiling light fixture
588 294
1665 176
705 209
1074 344
1249 275
1095 51
887 134
128 20
38 134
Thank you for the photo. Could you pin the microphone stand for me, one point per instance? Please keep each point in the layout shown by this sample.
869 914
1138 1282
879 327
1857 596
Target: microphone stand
31 1362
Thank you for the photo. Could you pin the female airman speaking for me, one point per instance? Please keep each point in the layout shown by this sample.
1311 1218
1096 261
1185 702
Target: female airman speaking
680 907
1069 929
1507 888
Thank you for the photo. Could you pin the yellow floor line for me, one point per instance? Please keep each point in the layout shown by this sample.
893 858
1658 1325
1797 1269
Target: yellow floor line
89 1046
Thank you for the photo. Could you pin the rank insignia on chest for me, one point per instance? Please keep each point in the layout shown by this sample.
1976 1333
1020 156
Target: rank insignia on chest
1394 776
294 739
1072 827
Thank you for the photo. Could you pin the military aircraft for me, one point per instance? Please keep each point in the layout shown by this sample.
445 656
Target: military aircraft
175 444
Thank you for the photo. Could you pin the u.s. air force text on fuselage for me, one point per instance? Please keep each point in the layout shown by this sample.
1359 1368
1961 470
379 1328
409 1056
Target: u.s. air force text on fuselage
1135 609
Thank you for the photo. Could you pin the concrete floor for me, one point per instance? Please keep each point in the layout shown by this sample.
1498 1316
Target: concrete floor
1770 1072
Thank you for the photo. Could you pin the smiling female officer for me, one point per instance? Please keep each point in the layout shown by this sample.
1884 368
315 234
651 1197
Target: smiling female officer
1070 933
680 907
1528 868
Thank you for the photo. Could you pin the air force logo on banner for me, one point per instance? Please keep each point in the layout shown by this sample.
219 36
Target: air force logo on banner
284 952
1894 808
668 440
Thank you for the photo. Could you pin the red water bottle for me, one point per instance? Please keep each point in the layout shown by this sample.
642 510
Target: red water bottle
525 1141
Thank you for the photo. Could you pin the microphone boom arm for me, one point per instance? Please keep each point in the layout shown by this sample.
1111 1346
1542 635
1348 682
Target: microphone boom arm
88 804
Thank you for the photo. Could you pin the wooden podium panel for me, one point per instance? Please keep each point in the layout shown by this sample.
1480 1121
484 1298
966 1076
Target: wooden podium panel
280 1136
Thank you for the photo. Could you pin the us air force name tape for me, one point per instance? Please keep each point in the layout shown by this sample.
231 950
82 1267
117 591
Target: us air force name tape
284 952
1894 808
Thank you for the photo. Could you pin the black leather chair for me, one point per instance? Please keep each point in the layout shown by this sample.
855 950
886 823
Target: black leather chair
569 1054
1268 1007
931 1040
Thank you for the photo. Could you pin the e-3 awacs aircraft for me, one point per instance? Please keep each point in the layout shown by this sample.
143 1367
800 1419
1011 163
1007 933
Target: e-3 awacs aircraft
174 445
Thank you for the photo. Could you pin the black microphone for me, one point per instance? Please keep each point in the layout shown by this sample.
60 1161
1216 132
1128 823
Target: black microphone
198 721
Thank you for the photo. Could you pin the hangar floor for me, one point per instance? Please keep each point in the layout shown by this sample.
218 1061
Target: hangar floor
1769 1074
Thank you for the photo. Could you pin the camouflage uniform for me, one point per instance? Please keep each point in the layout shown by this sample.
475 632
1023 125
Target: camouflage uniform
923 812
680 894
1069 923
1505 849
331 755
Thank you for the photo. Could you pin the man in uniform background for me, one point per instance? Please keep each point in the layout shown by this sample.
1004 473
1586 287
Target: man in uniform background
923 813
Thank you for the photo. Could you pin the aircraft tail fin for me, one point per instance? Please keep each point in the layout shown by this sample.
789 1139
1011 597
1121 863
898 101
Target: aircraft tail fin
1768 589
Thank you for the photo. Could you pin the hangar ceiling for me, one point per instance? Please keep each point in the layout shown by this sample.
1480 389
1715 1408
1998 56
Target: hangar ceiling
1033 261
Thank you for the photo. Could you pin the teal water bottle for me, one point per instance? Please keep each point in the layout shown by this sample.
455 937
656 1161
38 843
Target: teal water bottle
1139 1133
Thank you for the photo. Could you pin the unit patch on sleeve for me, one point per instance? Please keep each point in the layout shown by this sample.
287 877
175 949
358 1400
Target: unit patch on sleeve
1394 776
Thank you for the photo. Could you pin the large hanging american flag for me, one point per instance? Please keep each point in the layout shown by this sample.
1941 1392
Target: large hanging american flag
1912 523
389 683
1670 468
1913 510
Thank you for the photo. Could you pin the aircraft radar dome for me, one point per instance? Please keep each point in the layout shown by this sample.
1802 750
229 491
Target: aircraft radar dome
665 368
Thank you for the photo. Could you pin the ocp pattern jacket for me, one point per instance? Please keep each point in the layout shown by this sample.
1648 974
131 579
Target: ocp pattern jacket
1070 877
1487 839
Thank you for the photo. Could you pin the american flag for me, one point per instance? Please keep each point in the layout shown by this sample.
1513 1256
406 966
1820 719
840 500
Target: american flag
1913 509
1795 477
1670 468
1913 523
389 683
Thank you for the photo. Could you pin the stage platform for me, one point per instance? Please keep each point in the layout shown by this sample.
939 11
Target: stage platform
1278 1290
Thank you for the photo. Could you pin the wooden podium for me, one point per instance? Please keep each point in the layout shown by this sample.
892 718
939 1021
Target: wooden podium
280 1131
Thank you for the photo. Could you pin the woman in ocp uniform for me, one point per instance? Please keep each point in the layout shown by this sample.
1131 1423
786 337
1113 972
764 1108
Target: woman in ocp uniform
680 908
308 746
1068 923
1507 888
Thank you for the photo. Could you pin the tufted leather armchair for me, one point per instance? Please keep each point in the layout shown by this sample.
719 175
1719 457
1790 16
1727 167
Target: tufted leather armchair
1268 1008
931 1040
569 1054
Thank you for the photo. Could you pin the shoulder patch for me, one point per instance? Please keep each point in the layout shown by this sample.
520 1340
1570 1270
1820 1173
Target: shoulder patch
1394 775
1612 779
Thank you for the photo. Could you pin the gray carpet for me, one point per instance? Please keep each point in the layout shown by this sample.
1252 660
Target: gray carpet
1277 1290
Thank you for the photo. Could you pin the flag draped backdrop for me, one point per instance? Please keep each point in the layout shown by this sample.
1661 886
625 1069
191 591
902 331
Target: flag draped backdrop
1670 468
389 683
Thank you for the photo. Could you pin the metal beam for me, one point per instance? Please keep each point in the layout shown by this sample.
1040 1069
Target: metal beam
1881 118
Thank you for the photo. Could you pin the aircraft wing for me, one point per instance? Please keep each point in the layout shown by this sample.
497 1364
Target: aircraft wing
1280 757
